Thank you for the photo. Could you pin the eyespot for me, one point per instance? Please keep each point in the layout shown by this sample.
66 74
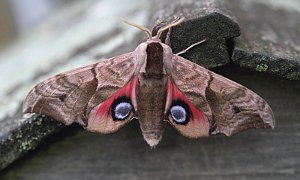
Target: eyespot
179 112
121 108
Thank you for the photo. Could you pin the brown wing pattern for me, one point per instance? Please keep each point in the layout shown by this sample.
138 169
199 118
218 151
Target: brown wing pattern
192 80
69 97
229 106
236 108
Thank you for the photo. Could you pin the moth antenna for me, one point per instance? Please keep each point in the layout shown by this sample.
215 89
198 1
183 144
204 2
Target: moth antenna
149 34
174 23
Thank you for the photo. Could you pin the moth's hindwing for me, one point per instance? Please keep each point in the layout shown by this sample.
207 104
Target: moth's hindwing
229 107
70 97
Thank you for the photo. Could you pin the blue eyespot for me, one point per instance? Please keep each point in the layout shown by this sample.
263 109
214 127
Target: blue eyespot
178 114
122 110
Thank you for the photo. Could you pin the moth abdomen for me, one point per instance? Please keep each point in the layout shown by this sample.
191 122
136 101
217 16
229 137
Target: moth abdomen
151 99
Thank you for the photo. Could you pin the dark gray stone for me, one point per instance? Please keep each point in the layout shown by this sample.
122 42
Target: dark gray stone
20 135
270 40
206 19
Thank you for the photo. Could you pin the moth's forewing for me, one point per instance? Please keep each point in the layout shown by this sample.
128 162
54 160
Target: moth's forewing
229 107
71 96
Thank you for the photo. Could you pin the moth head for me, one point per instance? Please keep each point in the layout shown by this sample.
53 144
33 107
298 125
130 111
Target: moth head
159 32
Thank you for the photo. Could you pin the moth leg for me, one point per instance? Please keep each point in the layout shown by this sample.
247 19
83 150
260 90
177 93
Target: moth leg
160 27
156 27
161 24
168 37
190 47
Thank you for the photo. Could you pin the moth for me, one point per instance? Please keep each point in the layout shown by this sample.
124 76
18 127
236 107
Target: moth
154 86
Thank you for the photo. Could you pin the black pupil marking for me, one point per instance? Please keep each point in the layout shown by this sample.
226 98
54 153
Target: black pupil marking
121 108
62 97
180 112
236 109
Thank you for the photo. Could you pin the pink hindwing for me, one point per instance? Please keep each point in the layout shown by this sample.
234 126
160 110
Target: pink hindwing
196 122
101 118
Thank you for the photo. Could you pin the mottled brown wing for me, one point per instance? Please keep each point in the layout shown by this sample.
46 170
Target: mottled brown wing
229 107
69 97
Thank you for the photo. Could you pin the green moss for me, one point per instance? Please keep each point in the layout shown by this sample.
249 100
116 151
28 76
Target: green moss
262 67
27 145
26 138
294 76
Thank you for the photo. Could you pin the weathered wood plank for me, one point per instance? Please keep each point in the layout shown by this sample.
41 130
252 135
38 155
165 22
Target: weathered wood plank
78 36
275 152
207 19
270 40
270 37
21 135
255 154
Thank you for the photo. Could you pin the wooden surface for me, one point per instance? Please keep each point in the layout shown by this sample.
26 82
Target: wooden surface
90 31
78 35
205 19
8 31
270 36
256 154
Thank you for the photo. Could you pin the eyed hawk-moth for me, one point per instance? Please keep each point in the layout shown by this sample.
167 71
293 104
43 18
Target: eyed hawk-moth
154 86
